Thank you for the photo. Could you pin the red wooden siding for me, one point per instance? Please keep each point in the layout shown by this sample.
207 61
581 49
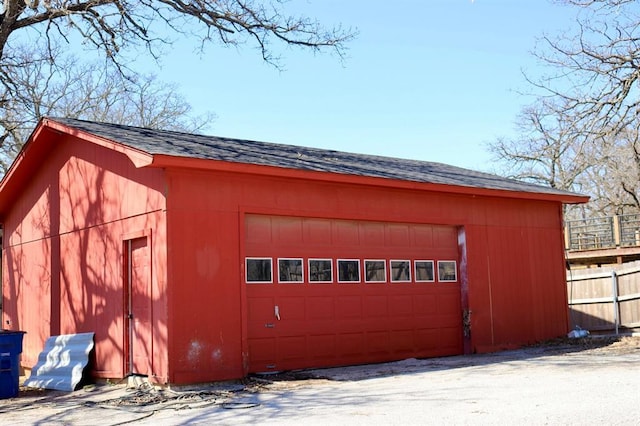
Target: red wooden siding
514 291
62 262
204 269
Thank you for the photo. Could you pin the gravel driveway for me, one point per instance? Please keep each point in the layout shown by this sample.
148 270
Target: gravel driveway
590 381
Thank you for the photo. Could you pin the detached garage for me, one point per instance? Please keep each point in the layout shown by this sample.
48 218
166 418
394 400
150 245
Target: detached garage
196 258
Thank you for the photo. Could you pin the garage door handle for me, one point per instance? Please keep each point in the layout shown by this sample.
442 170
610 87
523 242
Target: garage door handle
276 312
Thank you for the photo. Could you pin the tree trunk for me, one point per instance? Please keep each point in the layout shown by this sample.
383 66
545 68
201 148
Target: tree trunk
12 11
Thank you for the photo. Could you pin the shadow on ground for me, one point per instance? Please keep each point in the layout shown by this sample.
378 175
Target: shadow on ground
604 345
133 404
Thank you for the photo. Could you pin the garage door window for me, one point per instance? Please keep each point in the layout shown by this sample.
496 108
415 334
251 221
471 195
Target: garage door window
290 271
447 271
375 271
320 271
348 270
258 270
424 271
400 271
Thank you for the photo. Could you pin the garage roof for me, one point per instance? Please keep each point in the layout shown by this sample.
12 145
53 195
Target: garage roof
162 142
168 149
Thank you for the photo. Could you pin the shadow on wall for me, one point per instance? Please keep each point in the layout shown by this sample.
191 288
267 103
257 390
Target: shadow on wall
64 261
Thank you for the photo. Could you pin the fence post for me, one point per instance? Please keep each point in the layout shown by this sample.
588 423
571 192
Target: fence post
614 293
616 230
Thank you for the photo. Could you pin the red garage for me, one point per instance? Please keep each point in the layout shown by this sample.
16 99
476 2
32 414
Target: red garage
196 258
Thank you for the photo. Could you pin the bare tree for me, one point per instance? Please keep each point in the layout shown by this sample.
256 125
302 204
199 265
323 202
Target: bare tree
48 82
590 98
614 178
595 71
547 151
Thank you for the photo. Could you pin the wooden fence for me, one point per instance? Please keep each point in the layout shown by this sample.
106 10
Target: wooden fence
606 299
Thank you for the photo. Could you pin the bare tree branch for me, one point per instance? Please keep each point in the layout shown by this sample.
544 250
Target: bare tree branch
113 24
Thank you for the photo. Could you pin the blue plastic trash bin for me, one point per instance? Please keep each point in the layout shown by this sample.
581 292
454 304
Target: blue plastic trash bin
10 350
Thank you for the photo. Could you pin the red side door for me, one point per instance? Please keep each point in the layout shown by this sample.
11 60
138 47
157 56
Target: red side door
138 278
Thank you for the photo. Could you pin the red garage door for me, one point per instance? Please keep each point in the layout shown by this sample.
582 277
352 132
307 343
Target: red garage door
334 292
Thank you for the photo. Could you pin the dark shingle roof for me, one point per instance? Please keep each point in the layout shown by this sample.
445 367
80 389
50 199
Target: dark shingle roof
302 158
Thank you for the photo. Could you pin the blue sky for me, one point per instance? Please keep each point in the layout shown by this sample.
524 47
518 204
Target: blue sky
433 80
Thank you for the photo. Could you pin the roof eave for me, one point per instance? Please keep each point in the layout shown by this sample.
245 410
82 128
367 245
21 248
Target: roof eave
169 161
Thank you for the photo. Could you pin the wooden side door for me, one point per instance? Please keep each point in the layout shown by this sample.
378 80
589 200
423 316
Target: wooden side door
139 315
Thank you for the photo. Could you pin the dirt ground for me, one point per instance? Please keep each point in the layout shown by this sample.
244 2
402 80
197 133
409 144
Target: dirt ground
593 380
